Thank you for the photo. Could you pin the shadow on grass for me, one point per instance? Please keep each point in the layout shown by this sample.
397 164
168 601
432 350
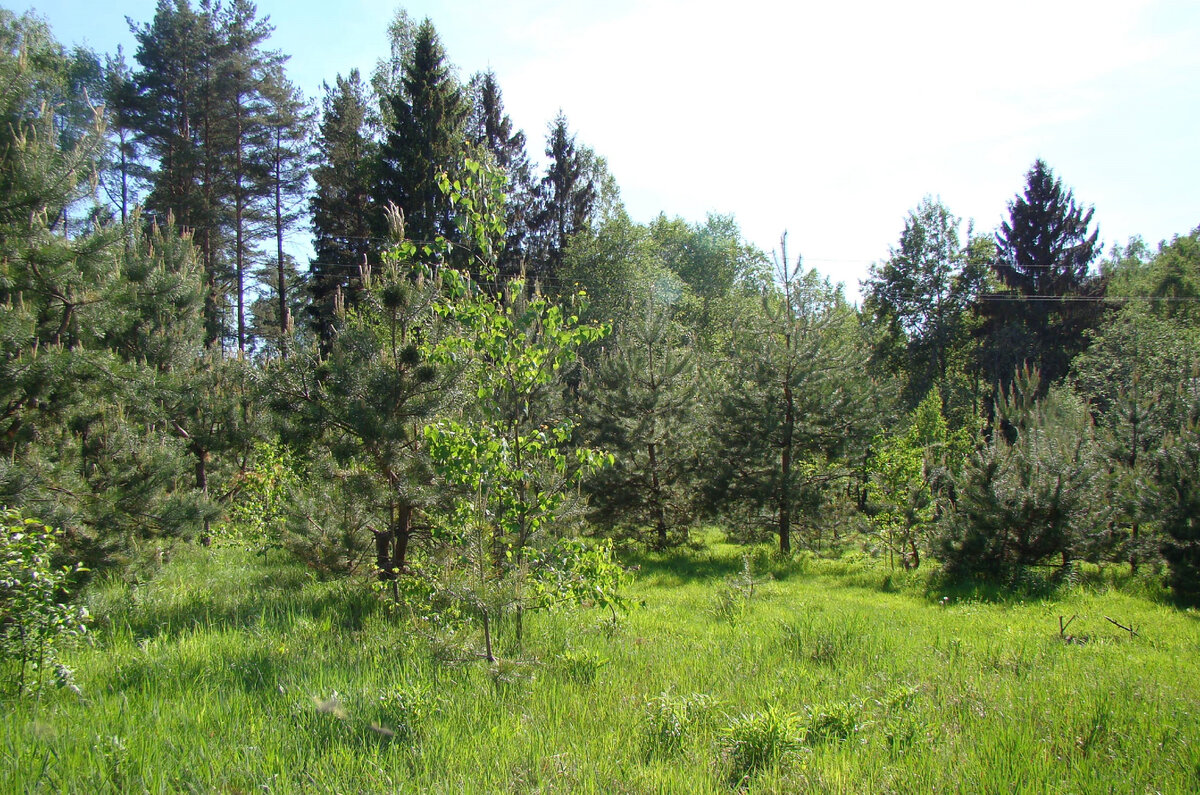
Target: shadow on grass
682 566
1042 584
204 594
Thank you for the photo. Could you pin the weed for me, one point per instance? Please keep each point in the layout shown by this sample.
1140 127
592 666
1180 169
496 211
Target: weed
667 719
753 742
403 710
728 605
825 642
732 600
580 666
833 722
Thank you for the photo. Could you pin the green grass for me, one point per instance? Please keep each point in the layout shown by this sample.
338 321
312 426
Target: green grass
227 674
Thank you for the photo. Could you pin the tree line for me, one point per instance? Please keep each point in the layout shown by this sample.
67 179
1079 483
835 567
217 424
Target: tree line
486 376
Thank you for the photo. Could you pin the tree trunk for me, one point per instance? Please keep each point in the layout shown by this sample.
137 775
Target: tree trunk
202 486
785 466
391 545
660 513
284 320
239 254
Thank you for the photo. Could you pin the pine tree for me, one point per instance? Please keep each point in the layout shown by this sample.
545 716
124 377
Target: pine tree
426 139
93 324
289 123
1131 376
1177 476
341 205
126 174
795 398
1031 495
242 77
365 401
643 407
200 110
172 111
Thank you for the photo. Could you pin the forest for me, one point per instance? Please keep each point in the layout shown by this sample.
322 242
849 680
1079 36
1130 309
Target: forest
495 434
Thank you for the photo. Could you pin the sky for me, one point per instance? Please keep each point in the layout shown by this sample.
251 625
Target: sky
826 120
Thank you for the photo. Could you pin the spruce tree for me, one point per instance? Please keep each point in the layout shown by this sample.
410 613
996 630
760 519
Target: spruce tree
425 139
1044 254
568 196
490 130
341 205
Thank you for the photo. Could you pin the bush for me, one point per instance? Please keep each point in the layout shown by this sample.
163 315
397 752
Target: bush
34 618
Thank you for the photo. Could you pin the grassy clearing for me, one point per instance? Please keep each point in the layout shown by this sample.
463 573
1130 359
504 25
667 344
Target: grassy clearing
224 673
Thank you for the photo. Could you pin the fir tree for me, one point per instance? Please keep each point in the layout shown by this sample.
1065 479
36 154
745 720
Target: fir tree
491 130
426 139
568 196
1044 254
341 205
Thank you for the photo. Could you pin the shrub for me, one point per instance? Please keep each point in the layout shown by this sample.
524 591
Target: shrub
34 618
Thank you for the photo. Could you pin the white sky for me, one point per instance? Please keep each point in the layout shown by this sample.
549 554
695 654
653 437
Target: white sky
830 120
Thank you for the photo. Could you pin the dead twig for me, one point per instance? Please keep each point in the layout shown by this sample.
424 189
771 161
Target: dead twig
1131 630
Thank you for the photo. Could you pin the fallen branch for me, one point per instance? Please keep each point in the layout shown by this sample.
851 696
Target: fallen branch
1132 632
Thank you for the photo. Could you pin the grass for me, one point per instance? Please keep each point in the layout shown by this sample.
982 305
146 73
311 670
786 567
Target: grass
223 673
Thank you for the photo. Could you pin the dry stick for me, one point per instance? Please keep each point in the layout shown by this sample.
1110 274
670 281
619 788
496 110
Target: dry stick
1062 628
1130 630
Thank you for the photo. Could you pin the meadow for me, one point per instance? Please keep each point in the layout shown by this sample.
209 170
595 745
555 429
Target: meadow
224 672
